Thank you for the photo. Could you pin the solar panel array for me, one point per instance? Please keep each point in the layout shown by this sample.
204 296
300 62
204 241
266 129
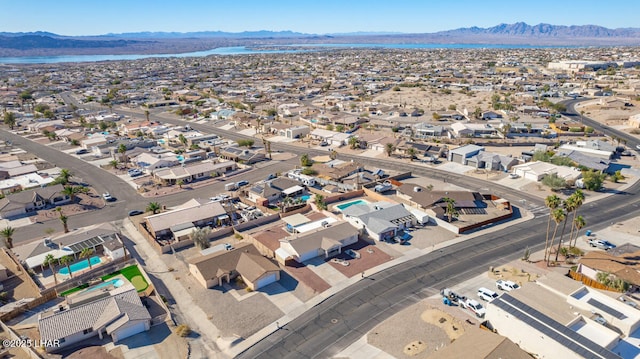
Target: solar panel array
90 243
552 329
607 309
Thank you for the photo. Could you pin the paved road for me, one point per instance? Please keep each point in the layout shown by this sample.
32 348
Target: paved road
331 326
571 112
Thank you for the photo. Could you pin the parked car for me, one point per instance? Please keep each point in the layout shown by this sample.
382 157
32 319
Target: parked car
134 172
513 175
82 151
351 253
486 294
602 244
506 285
242 183
135 212
451 295
474 306
107 197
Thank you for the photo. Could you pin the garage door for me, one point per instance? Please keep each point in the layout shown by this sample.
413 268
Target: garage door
128 331
271 278
457 158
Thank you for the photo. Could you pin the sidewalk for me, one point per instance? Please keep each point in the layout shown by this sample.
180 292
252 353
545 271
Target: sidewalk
197 319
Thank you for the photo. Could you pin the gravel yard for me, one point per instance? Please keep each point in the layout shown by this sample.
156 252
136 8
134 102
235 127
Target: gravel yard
242 317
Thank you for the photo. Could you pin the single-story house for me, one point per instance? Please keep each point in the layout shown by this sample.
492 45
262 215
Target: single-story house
492 161
193 172
15 168
585 160
326 241
463 153
243 155
194 213
271 191
32 200
296 132
71 244
460 129
425 130
596 148
535 171
150 162
381 220
624 266
216 268
119 315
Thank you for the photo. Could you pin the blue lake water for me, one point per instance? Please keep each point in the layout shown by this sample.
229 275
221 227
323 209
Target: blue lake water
243 50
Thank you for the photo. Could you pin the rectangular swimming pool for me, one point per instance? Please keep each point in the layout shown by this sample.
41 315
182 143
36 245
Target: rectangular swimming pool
82 265
349 204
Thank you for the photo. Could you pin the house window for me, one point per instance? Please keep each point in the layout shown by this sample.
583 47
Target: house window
87 331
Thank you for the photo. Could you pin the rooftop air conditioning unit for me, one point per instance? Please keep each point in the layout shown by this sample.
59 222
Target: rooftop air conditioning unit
417 189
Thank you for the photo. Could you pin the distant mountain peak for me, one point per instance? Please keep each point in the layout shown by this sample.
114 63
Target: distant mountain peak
523 29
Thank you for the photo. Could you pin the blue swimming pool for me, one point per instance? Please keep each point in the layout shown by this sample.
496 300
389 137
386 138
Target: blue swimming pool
82 265
180 158
117 283
349 204
305 197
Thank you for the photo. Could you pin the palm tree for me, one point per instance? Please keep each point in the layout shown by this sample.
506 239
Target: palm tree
51 261
146 114
182 139
7 233
319 201
153 207
558 216
63 177
64 220
353 142
389 148
10 119
569 206
122 149
87 253
579 223
71 191
578 200
411 152
180 183
66 261
451 210
113 163
552 202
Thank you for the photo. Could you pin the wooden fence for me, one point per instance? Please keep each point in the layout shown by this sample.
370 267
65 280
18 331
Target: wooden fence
590 282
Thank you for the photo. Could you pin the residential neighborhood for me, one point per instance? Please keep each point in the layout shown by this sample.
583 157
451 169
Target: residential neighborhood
200 206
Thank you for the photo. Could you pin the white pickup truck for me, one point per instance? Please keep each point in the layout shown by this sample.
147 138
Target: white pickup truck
474 306
506 285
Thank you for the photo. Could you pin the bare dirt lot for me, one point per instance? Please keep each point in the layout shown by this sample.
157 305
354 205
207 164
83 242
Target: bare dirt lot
425 329
415 97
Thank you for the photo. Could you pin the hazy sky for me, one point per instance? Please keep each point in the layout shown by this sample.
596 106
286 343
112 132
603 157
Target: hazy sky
90 17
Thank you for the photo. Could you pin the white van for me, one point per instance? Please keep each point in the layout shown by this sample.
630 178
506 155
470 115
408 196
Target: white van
487 294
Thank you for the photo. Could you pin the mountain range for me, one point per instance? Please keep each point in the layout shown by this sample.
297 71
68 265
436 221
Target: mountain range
520 33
